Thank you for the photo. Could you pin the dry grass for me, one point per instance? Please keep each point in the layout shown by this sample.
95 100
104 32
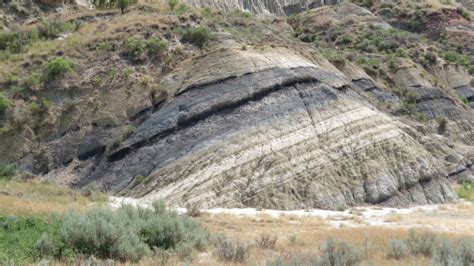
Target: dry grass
302 235
38 198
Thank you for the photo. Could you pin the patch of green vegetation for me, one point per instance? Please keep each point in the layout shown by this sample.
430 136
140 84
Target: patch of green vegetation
364 3
156 46
104 46
134 48
122 4
465 100
464 13
7 170
34 79
466 190
442 124
199 36
182 9
19 237
16 89
364 60
51 29
126 234
457 58
57 67
173 3
5 102
334 56
13 41
17 41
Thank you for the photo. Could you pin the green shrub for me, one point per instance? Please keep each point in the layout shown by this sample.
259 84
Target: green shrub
123 4
464 99
104 46
7 170
51 29
442 124
335 252
5 102
430 57
397 249
16 89
129 233
172 4
231 251
464 13
364 3
197 36
183 8
57 67
45 246
411 96
445 255
34 79
156 46
421 243
466 191
298 259
465 251
335 56
135 48
20 238
13 41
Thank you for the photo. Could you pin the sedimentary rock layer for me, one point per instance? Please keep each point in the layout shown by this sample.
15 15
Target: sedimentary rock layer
277 7
285 135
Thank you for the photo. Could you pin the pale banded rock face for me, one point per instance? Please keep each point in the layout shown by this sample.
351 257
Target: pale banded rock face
280 133
277 7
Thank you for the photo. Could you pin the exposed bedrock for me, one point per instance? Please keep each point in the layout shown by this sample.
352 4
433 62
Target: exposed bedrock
279 134
277 7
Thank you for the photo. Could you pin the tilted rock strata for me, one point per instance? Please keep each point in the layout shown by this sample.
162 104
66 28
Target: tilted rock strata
292 136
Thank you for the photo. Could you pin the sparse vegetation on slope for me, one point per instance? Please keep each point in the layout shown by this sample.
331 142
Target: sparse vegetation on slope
466 190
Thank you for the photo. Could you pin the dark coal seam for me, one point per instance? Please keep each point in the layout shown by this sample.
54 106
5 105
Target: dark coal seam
461 87
361 79
460 171
216 82
217 109
425 99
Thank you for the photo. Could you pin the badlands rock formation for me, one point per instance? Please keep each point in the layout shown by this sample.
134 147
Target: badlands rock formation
257 118
267 128
277 7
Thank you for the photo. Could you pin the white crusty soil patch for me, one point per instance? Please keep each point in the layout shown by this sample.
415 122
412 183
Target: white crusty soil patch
456 218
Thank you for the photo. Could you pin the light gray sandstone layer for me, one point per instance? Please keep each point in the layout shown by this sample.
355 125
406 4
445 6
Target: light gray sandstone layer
279 134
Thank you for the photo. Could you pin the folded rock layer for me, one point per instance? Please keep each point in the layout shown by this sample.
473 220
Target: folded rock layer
281 134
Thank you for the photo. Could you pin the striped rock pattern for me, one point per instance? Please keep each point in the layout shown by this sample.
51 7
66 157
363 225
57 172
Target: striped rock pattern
277 7
279 133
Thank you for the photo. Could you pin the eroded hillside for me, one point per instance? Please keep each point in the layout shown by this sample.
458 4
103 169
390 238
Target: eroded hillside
337 106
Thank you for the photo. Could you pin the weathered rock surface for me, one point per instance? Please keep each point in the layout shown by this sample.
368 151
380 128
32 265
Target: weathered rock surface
253 122
277 7
281 134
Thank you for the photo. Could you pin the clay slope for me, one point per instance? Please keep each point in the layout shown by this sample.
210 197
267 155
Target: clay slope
277 7
283 133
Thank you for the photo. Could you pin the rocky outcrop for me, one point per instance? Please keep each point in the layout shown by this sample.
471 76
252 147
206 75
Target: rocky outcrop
277 7
282 133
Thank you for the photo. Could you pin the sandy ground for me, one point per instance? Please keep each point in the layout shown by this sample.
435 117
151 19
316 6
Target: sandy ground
453 218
